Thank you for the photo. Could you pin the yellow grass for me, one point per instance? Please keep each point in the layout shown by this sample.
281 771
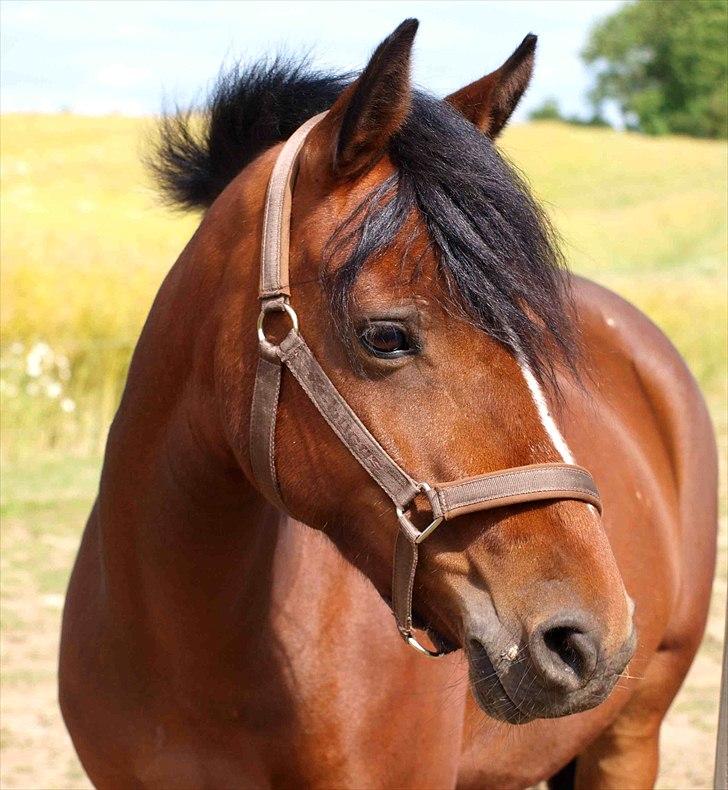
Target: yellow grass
85 243
84 246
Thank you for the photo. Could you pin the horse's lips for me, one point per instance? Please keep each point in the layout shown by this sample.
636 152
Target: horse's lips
488 690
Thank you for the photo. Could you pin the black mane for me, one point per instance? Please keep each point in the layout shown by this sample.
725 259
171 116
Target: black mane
200 151
496 250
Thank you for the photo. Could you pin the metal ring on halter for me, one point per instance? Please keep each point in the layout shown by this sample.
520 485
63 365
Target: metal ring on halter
276 306
410 528
412 642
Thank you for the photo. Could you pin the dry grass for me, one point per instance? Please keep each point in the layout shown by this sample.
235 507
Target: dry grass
84 246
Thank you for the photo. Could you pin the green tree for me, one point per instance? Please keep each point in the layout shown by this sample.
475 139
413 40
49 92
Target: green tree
665 65
549 110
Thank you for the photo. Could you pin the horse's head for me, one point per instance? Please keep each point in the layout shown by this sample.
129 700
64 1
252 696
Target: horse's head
429 289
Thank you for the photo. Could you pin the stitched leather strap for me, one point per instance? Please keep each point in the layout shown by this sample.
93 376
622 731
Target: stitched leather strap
403 581
273 291
514 486
538 482
354 435
277 216
263 413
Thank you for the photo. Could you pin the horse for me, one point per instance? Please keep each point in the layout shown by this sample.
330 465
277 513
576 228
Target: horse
228 622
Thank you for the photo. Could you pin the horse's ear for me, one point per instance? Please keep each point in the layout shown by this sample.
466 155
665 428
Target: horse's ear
490 101
361 121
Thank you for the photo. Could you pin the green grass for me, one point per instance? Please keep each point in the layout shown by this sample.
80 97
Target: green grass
84 246
44 504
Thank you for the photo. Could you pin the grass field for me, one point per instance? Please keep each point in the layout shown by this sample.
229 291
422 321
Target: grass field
84 246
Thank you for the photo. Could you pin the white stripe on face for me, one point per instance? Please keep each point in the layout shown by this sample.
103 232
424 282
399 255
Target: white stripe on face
542 407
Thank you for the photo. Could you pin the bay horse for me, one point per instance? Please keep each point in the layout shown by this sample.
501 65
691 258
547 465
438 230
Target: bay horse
221 631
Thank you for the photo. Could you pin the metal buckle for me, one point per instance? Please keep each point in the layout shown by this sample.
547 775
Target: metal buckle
411 640
410 528
274 306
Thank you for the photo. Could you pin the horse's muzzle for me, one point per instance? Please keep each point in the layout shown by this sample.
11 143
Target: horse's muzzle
559 668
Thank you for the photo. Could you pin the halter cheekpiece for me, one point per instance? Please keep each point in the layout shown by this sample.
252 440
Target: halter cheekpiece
533 483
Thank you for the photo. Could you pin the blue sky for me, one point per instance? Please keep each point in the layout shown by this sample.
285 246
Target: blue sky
101 56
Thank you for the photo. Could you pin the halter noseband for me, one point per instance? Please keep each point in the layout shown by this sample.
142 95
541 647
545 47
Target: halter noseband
533 483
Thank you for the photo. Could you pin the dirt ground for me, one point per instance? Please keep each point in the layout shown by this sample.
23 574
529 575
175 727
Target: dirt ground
42 514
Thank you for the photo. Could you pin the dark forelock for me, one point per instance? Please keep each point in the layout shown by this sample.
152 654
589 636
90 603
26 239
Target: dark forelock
495 249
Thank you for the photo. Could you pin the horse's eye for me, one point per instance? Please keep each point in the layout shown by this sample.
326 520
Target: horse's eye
387 340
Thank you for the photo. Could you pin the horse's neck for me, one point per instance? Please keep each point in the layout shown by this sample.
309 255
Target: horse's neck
186 542
212 591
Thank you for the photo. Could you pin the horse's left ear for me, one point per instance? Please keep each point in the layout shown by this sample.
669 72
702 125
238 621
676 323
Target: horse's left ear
489 102
359 125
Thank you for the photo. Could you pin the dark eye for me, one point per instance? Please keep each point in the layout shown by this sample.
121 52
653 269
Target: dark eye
387 340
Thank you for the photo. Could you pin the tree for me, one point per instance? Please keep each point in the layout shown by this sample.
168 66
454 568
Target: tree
548 111
665 64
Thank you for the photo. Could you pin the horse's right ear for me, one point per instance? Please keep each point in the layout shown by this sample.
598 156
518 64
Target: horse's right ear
359 125
489 102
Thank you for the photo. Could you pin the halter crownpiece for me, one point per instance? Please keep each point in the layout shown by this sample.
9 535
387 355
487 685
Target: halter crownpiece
533 483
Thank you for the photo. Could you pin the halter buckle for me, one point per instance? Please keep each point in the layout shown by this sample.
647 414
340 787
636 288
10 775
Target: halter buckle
409 528
411 640
278 305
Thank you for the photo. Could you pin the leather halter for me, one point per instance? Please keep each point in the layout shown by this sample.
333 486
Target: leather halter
534 483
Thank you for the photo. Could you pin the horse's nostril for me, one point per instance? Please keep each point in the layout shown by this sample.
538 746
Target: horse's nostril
564 651
570 646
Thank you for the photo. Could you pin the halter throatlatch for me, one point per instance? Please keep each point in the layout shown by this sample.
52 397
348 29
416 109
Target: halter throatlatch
534 483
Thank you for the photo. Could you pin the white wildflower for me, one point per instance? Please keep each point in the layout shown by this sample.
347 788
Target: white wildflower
68 405
37 356
53 601
53 389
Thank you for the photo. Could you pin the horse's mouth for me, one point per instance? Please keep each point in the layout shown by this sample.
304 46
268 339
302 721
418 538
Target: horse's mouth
513 693
486 686
488 690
